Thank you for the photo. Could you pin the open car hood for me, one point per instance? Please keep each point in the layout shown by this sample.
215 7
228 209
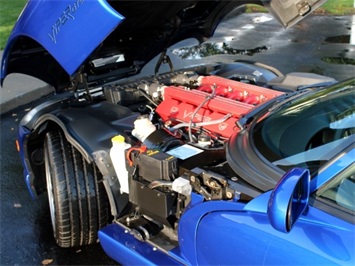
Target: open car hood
60 42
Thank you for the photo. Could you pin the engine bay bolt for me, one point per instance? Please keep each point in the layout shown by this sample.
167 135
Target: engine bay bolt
234 178
193 179
212 184
229 195
128 221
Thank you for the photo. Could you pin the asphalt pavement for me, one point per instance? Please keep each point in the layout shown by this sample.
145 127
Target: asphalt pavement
19 89
318 44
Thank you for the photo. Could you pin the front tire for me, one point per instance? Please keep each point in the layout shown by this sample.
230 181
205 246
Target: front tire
77 199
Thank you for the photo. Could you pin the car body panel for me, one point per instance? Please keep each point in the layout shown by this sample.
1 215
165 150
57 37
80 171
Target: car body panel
117 241
230 238
28 174
68 30
226 233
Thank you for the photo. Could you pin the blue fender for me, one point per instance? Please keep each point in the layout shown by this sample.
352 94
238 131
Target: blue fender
190 221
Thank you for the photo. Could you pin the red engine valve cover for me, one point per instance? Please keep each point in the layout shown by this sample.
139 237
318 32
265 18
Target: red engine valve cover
233 98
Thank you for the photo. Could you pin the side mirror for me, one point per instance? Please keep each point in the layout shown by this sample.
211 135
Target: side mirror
289 199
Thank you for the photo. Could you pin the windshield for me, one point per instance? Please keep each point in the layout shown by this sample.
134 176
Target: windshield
310 130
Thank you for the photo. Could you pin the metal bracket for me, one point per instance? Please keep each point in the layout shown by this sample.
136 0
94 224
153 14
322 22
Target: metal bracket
303 8
80 78
164 59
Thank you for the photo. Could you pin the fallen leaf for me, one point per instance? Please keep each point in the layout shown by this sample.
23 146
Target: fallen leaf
17 205
47 261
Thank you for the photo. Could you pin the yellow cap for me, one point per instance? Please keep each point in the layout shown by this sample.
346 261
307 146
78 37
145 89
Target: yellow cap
117 139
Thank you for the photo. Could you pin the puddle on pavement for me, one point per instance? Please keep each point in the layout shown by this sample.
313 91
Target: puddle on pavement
338 39
208 49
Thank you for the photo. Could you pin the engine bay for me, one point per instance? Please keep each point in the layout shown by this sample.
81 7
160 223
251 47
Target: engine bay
160 144
176 151
177 146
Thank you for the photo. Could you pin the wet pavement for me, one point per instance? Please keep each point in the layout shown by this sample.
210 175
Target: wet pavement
318 45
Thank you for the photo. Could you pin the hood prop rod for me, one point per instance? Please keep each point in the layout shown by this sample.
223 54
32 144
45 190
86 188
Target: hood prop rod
80 78
165 59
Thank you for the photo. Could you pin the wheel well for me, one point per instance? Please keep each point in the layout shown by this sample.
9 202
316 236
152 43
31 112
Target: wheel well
35 152
107 119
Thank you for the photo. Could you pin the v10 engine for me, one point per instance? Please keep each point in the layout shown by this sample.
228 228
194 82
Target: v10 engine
227 100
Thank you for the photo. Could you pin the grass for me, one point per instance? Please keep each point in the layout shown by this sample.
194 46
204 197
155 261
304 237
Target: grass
10 10
331 7
337 7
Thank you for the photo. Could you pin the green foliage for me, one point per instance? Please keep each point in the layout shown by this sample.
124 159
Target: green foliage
338 7
331 7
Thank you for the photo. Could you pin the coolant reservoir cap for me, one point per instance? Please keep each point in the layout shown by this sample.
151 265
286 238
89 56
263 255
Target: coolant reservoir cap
117 139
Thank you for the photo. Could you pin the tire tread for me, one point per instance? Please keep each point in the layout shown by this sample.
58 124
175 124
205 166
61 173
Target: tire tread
80 201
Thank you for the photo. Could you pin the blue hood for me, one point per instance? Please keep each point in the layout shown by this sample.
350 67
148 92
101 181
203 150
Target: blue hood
103 40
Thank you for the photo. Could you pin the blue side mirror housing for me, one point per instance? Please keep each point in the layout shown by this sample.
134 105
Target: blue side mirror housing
289 199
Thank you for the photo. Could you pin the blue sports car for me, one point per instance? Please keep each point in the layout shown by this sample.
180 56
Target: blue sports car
228 164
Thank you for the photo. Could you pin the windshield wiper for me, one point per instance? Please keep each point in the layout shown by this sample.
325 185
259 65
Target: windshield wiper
289 98
317 85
